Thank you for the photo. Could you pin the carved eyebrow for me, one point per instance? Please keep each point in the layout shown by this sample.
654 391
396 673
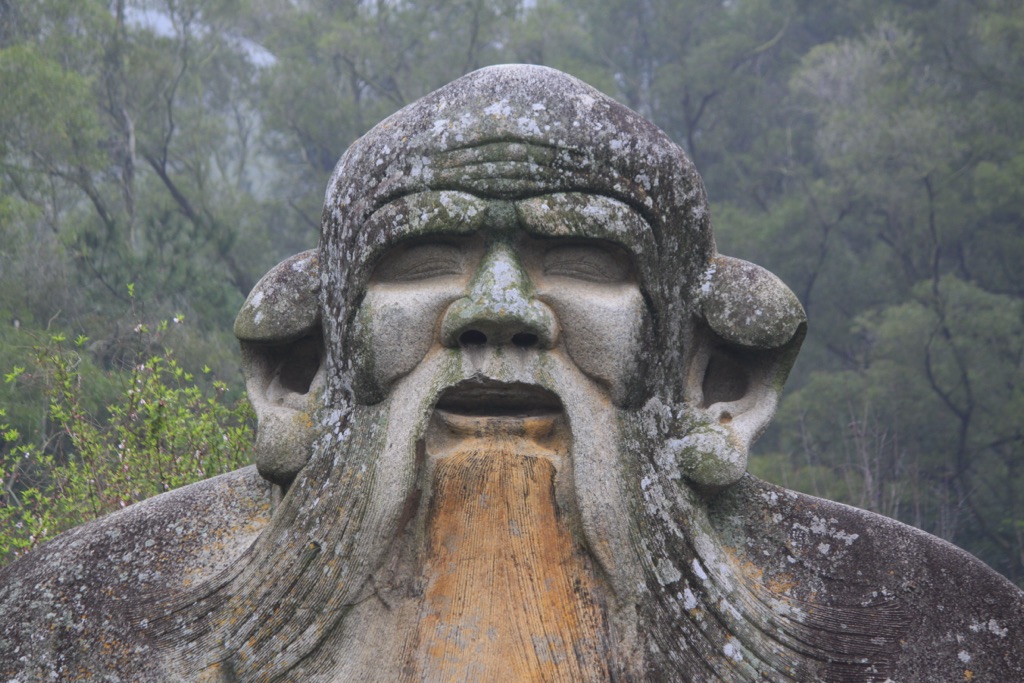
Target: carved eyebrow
576 214
425 213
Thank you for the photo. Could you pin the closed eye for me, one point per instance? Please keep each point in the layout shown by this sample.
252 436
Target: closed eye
420 262
590 262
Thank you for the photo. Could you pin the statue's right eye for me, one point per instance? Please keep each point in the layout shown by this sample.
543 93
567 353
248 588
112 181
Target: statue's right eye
421 262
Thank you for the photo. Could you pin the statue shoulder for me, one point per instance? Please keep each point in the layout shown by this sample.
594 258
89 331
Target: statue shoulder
955 617
67 608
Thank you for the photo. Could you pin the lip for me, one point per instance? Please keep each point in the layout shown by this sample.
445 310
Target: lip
491 398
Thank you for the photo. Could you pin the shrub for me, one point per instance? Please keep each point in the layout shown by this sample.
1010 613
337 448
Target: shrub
166 428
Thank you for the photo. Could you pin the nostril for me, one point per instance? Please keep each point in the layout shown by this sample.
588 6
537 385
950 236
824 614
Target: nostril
472 338
524 340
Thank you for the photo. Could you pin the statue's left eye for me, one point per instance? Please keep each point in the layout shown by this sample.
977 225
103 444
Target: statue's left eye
591 262
420 262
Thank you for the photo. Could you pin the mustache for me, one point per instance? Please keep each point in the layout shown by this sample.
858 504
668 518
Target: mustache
484 396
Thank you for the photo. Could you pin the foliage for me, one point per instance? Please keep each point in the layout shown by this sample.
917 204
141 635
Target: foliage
949 458
127 149
163 431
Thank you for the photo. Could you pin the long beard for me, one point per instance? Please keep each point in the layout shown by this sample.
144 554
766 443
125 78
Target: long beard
330 592
497 585
508 593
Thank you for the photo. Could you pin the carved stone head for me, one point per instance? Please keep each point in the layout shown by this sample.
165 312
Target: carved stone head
526 174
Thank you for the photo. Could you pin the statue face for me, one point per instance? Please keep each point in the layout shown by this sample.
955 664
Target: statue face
553 276
499 349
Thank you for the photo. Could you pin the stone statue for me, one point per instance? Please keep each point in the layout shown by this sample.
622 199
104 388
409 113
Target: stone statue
504 414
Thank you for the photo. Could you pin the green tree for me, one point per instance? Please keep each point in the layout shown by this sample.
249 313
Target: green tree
129 150
910 396
928 428
164 428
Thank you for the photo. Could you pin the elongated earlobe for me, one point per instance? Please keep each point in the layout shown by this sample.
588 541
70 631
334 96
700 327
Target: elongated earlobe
283 360
750 334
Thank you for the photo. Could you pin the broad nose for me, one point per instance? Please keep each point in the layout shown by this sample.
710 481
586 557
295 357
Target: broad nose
499 308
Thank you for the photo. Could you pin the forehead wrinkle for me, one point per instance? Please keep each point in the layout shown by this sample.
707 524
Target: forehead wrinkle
512 167
505 149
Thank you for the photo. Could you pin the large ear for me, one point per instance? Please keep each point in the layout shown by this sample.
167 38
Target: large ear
753 328
283 360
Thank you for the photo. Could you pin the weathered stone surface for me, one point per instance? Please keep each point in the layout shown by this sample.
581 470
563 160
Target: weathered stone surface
75 609
881 600
509 402
282 353
746 305
284 305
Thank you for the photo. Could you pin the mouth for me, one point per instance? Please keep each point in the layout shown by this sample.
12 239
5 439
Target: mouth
491 398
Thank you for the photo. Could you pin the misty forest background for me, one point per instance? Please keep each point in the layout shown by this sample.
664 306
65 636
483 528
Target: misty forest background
158 156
